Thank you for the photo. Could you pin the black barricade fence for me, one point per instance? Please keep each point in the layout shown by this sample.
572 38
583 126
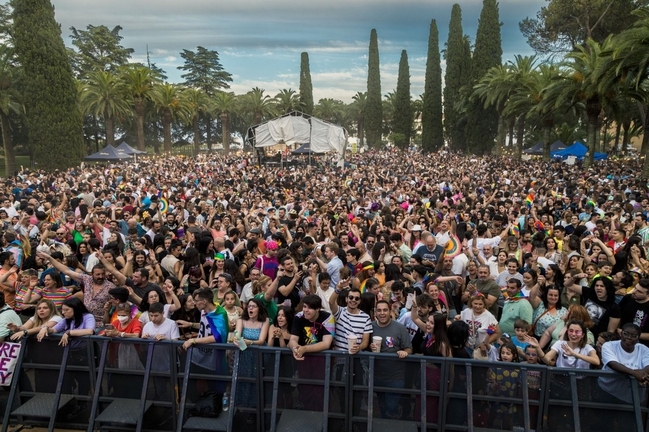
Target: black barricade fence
133 384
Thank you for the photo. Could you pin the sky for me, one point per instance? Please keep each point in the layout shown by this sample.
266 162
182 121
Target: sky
260 41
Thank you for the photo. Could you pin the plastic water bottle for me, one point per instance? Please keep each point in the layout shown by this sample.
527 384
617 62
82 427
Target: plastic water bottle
225 402
240 341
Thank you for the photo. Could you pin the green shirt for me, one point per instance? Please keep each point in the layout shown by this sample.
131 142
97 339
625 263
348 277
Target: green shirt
513 310
271 307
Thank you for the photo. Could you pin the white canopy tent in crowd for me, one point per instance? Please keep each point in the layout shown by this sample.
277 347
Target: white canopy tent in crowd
297 128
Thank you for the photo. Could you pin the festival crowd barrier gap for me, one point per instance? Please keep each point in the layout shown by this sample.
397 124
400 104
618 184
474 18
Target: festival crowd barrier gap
99 383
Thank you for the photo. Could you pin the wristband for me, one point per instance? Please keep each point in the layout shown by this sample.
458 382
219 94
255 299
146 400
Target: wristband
25 333
336 290
121 334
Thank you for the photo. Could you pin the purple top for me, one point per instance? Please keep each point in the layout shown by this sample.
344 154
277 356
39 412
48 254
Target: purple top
87 323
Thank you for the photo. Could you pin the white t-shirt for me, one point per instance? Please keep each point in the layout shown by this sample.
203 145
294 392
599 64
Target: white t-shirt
325 296
246 293
56 318
144 317
620 386
478 325
566 361
167 328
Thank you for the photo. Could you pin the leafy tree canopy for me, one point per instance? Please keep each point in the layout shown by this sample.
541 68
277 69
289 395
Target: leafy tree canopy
97 49
204 70
563 25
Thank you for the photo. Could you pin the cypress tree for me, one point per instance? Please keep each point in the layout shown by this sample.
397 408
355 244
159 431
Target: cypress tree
306 88
49 91
483 123
458 64
402 125
374 110
432 134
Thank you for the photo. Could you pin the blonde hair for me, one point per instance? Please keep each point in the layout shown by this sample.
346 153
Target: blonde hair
259 283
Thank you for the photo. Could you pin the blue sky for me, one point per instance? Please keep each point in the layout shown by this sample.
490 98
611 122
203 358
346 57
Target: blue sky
260 41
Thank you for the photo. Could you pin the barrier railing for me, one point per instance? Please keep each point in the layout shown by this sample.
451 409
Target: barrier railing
100 383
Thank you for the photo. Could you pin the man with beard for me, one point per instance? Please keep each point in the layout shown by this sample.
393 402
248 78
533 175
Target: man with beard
95 287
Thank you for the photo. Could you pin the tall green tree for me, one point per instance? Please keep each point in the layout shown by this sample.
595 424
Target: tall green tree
287 100
171 104
432 129
49 91
225 104
197 103
402 106
629 61
563 25
458 70
581 88
374 110
203 70
358 109
139 81
483 123
258 104
97 49
306 87
9 103
329 109
104 95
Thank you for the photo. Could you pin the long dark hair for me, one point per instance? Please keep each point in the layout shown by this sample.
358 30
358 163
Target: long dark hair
193 315
439 334
288 313
79 311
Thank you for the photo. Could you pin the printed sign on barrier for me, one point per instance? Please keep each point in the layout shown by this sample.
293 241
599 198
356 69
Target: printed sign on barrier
8 356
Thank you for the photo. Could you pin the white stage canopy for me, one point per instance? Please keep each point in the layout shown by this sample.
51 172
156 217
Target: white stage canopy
290 129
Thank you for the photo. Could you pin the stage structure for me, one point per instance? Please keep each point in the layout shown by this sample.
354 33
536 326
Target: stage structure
296 128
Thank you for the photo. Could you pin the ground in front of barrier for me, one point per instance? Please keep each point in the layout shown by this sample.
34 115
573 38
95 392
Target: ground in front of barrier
21 428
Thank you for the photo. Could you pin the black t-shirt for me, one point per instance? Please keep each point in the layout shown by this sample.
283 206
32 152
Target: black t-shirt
600 311
310 333
293 296
633 312
142 292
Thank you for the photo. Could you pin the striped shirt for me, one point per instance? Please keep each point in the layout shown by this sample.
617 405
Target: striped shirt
57 296
350 324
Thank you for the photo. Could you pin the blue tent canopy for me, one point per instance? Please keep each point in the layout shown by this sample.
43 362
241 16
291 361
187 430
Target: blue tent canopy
537 149
108 153
577 150
125 148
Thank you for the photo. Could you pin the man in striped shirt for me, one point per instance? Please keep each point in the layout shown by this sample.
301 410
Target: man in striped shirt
350 321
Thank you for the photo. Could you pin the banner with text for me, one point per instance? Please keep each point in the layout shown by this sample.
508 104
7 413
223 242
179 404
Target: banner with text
8 356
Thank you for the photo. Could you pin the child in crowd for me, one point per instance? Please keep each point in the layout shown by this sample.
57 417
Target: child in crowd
533 383
504 381
522 328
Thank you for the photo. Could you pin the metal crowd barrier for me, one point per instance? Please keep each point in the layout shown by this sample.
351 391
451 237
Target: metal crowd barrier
158 386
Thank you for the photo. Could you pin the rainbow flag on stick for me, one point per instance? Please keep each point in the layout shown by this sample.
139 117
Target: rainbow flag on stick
529 199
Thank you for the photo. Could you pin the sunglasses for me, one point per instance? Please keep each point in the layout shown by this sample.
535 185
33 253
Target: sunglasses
353 298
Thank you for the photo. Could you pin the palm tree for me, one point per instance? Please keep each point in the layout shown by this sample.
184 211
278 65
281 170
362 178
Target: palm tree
358 108
532 102
8 104
139 82
629 60
102 95
197 103
494 90
287 101
170 103
328 109
581 87
257 103
225 104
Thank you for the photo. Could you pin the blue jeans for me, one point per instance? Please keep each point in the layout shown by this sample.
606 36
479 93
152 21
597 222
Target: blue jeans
388 401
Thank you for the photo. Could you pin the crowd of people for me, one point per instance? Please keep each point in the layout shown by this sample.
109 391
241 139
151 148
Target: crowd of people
438 255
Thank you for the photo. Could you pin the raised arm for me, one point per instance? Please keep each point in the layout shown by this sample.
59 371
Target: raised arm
60 267
119 277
